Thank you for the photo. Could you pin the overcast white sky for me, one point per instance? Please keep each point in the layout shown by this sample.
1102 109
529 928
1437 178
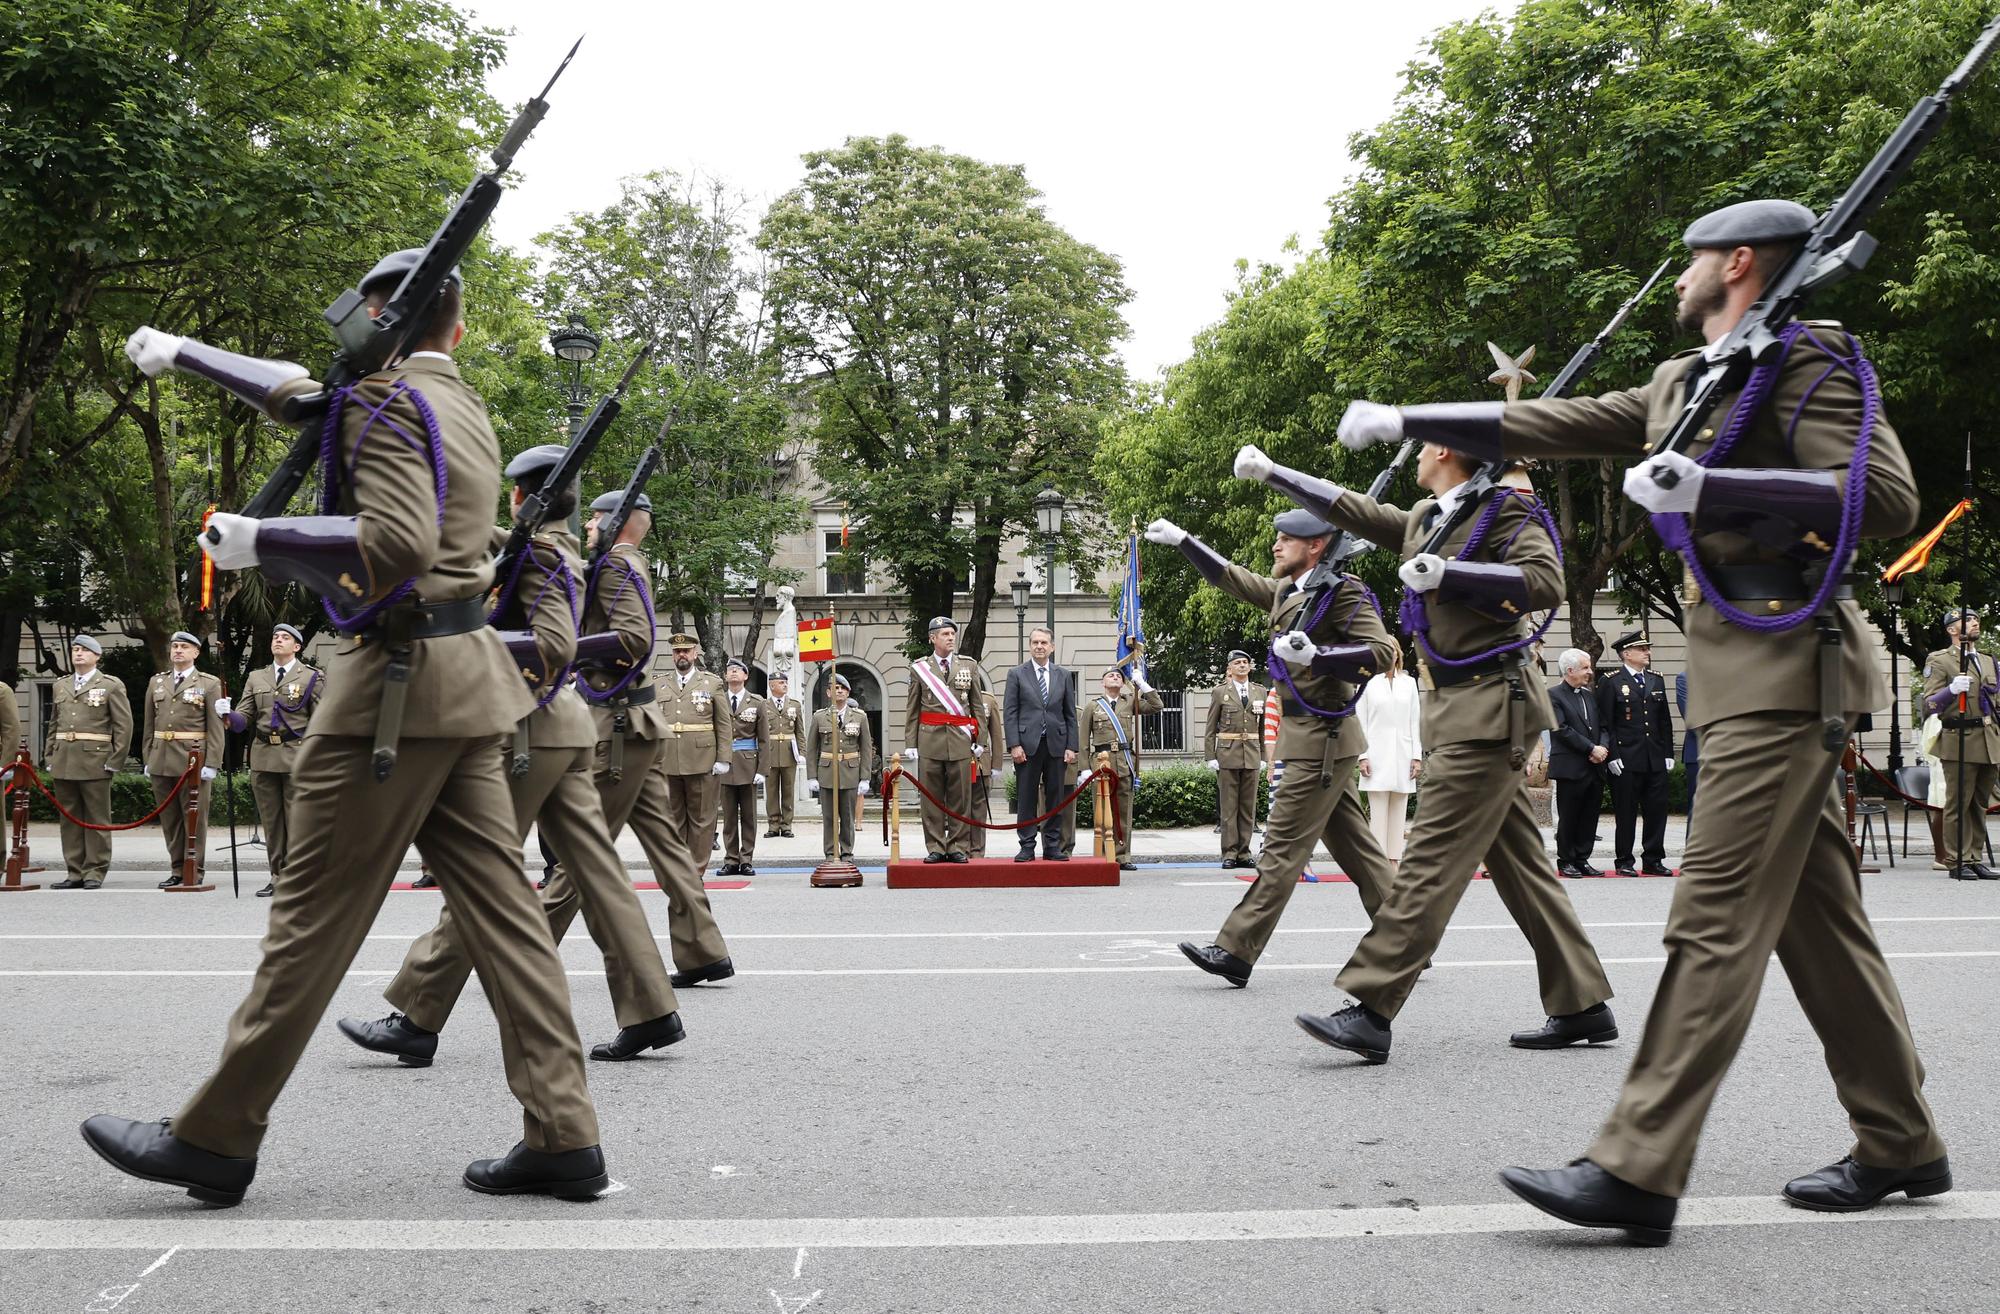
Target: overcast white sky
1179 137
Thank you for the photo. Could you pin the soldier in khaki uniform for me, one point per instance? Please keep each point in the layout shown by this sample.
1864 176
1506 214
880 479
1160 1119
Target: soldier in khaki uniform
10 724
1768 866
695 737
1234 743
400 551
783 754
1109 725
182 715
854 747
1969 746
555 794
89 735
1331 641
941 728
751 724
275 711
990 733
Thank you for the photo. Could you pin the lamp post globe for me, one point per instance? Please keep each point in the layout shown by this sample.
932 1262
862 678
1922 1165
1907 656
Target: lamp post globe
576 344
1021 587
1049 521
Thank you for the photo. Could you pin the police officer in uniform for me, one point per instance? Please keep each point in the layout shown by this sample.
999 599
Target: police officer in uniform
852 745
182 714
783 755
275 711
1969 747
89 734
1634 723
696 733
751 727
1110 726
1235 748
941 725
1768 866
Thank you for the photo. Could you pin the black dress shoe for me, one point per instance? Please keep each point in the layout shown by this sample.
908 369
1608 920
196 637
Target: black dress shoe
1026 855
149 1150
1655 869
395 1034
1986 873
1054 855
1568 872
934 857
1128 866
1623 870
1964 872
1593 1026
71 884
770 834
630 1042
786 832
719 970
746 870
424 881
1357 1028
566 1174
1585 1195
267 891
1848 1187
1217 961
1588 870
543 883
175 879
956 856
93 885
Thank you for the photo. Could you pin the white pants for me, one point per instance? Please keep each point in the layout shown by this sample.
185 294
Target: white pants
1388 820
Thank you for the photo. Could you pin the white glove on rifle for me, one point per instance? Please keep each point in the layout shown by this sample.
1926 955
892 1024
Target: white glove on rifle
812 787
1251 463
909 755
1423 572
208 773
1642 488
1367 423
720 769
1295 648
1166 533
1961 684
151 350
230 541
757 778
222 706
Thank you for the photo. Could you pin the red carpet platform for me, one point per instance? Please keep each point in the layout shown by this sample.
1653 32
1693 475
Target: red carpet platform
1000 873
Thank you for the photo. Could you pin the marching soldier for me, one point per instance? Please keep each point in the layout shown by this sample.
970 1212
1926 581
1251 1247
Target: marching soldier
782 757
1634 724
1962 676
1234 744
182 714
990 733
275 710
1768 505
89 734
942 730
853 747
1111 726
751 721
552 791
1330 641
400 554
695 753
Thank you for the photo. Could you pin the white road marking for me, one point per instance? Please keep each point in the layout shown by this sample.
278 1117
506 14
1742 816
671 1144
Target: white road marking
156 1263
205 1232
799 1264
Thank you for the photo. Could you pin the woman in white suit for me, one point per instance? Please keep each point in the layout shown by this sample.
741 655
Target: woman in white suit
1394 753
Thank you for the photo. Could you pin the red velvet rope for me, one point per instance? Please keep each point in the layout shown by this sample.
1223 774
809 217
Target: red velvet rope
894 770
1891 786
22 764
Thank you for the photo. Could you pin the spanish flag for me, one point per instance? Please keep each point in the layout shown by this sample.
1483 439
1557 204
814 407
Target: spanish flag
1919 554
816 640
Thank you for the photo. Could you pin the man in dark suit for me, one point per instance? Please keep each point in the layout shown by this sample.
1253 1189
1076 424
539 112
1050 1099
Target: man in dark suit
1690 741
1635 724
1576 764
1039 718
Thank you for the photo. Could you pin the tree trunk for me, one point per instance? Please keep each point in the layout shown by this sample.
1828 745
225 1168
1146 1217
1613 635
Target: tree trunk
160 616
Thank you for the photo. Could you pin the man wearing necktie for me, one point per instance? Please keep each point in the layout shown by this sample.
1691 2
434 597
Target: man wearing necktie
182 715
1039 722
941 730
89 734
1637 729
1576 764
275 709
750 728
1235 744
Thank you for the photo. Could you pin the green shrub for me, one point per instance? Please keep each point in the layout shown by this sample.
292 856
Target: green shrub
132 798
1170 796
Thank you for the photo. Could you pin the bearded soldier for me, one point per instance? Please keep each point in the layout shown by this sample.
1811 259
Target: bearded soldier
696 734
184 711
783 755
275 711
89 734
1234 743
942 726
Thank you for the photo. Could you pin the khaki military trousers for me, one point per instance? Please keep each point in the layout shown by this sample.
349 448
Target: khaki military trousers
1310 807
1237 796
781 788
86 853
1963 824
639 799
273 792
1767 869
449 796
1474 805
739 822
558 797
173 822
691 802
846 812
951 782
982 808
1121 834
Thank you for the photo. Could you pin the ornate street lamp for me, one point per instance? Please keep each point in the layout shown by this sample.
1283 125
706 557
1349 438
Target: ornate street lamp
577 345
1021 587
1892 593
1049 522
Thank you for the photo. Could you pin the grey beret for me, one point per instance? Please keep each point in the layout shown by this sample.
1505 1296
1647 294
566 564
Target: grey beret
1749 223
1300 523
941 623
780 675
182 636
1237 654
85 641
282 628
542 456
738 663
1951 617
841 680
391 268
609 502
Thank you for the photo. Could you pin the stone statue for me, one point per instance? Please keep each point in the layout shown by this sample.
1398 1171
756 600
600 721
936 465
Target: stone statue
1512 373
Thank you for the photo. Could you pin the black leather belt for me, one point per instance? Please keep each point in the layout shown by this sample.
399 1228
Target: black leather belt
429 620
632 697
1449 677
1770 581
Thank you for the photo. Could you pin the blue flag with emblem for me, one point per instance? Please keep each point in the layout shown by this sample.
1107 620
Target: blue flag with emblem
1131 626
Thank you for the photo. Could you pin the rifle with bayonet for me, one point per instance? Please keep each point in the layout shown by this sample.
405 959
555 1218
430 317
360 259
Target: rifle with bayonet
1349 544
613 523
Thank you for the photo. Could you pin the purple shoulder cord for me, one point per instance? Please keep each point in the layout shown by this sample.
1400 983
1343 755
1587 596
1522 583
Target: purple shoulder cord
631 578
1276 667
550 578
329 484
1415 615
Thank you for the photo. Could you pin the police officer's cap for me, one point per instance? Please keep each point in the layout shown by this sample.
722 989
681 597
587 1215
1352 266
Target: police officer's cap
1636 639
536 460
1749 223
608 502
943 623
390 269
283 628
85 641
182 636
738 663
683 641
1238 655
1300 523
841 680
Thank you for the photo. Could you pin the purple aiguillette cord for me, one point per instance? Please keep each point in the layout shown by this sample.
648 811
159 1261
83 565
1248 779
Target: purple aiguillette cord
330 483
1415 617
629 579
1674 528
1276 667
550 578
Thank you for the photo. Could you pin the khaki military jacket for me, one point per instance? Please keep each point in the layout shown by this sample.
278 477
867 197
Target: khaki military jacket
1099 733
1982 726
1733 671
1303 737
1477 709
695 723
10 724
461 685
275 716
750 723
179 719
89 730
786 737
621 603
946 743
1234 740
565 722
856 747
993 734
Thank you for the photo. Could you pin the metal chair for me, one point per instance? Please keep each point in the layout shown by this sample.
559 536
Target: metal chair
1916 782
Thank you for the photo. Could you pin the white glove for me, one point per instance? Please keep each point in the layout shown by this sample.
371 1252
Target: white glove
6 775
1641 488
230 541
1367 423
1670 764
1214 765
1961 684
1251 463
798 758
1139 683
208 773
1423 572
110 770
720 769
909 755
1617 767
1294 648
863 789
812 787
979 750
1083 777
152 350
757 778
222 706
1166 533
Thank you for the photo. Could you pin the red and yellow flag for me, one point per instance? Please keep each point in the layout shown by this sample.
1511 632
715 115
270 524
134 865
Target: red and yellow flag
207 567
1919 554
816 640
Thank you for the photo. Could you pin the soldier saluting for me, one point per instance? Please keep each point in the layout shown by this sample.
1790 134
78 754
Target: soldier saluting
184 711
275 711
89 734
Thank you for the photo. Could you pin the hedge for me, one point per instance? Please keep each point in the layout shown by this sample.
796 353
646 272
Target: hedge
132 798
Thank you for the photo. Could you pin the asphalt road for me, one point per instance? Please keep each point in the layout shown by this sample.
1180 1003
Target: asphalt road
974 1100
